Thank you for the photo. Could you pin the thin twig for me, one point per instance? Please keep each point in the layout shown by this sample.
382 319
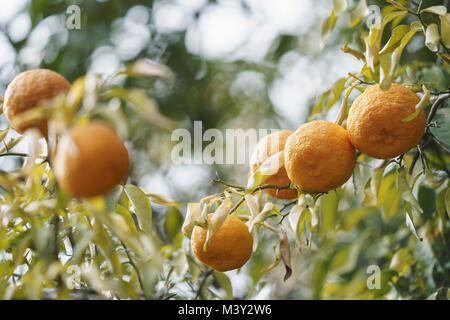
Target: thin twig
200 287
131 262
436 104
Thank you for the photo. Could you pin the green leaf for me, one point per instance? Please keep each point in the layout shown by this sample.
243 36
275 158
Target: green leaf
225 283
328 212
439 10
395 40
358 14
329 97
447 202
445 29
141 205
401 261
388 64
442 131
172 222
352 217
432 37
440 205
147 68
385 287
328 26
427 200
410 223
372 187
405 191
142 104
339 6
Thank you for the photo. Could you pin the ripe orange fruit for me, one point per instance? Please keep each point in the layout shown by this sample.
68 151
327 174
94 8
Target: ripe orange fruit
229 248
27 90
90 160
375 121
268 146
319 156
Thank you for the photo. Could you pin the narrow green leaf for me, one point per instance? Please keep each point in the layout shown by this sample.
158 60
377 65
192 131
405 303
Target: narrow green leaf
328 26
173 221
406 193
410 223
372 187
141 205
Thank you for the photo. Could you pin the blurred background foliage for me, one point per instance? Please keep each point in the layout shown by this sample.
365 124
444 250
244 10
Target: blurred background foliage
237 64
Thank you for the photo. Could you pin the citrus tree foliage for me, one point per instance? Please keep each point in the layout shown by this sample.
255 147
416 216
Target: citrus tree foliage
393 214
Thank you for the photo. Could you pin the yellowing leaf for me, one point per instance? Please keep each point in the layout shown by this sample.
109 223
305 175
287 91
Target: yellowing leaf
439 10
267 169
217 219
432 37
445 29
160 199
141 205
424 101
268 208
147 68
193 215
252 204
356 53
447 202
358 13
285 250
401 261
339 6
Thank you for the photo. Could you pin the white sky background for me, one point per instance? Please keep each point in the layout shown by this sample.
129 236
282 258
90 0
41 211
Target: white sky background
223 31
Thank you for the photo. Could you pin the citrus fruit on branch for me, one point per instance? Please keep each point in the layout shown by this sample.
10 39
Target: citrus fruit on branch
229 248
90 160
319 156
27 90
375 121
268 146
